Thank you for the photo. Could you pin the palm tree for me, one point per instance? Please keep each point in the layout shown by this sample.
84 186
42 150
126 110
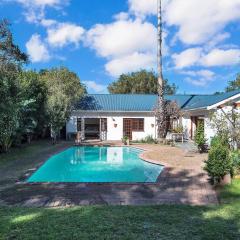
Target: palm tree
161 114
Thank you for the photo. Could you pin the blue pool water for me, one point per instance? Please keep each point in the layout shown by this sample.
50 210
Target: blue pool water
97 164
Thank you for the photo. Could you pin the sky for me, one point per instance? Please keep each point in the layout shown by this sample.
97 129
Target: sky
101 39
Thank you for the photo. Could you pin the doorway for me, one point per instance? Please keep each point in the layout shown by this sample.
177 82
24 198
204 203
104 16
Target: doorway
127 128
92 128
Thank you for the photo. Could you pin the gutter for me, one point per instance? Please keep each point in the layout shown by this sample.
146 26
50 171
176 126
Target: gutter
223 101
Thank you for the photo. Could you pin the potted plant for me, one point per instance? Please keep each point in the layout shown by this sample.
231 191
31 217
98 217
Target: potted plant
178 129
126 140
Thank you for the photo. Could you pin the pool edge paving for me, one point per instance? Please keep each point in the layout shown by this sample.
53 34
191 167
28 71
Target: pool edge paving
175 185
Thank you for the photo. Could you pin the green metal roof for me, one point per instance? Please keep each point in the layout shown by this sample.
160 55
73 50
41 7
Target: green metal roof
146 102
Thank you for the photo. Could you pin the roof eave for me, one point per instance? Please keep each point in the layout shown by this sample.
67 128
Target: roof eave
111 111
214 106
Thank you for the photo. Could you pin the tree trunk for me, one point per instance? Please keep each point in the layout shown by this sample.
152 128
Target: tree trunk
161 116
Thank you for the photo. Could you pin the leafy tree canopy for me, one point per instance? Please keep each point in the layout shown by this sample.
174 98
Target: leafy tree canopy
63 90
144 82
233 85
11 59
9 52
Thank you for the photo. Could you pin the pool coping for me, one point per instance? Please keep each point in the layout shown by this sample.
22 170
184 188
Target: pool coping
174 185
30 172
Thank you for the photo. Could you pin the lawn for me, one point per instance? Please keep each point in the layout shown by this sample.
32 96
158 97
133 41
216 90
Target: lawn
14 164
121 222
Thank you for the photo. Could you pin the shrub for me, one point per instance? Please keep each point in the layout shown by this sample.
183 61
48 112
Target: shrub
219 140
148 139
200 139
219 162
235 159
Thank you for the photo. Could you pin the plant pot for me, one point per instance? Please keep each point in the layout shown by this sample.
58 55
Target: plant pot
128 142
226 180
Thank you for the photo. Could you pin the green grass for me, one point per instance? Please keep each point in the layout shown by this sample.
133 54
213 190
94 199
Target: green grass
159 222
15 163
122 222
231 193
26 151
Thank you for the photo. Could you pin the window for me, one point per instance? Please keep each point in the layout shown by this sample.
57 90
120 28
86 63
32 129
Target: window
79 124
138 124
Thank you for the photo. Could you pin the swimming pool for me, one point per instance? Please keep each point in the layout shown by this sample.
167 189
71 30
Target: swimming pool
97 164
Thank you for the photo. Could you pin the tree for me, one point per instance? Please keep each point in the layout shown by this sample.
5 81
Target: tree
33 118
9 108
63 90
9 52
11 60
141 82
233 85
227 125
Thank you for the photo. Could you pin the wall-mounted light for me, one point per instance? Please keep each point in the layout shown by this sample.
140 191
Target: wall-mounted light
115 125
152 125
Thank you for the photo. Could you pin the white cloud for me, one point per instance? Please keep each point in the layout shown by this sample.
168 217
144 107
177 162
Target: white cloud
129 63
35 9
121 16
142 8
122 37
199 78
37 50
200 20
40 2
219 57
48 22
202 73
64 33
197 57
187 58
127 44
219 38
95 87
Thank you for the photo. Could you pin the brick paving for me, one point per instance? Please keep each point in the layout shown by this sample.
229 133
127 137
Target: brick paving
182 181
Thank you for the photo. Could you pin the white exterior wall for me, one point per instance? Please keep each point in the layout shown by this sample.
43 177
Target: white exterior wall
116 133
186 123
149 130
208 130
115 124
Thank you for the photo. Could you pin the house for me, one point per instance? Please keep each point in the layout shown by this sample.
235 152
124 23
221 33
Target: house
112 116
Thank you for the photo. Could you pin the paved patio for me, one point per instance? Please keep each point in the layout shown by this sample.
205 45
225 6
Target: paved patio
183 181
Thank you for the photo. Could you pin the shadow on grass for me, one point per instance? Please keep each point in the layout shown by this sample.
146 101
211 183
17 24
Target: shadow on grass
121 222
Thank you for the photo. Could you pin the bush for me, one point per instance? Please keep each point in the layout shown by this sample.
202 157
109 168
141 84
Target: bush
125 139
235 159
219 162
200 139
218 140
148 139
